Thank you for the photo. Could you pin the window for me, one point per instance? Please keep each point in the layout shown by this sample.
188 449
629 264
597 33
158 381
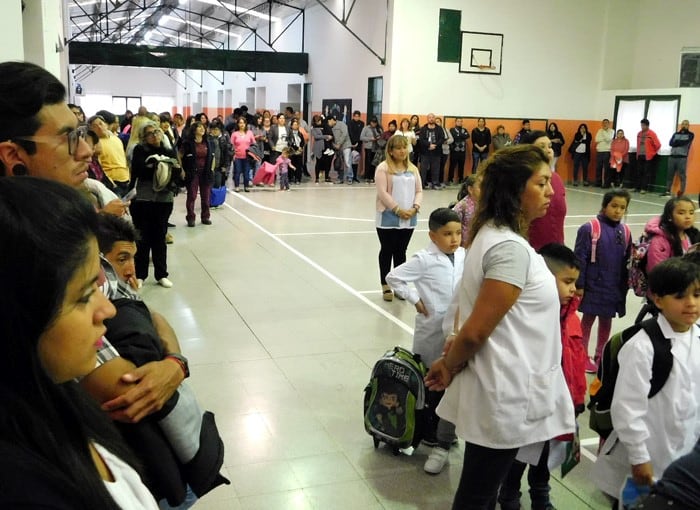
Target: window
375 91
120 104
662 112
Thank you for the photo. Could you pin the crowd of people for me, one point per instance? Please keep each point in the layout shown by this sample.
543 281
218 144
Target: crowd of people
85 204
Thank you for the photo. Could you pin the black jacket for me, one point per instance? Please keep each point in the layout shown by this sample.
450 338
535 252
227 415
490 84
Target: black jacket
189 155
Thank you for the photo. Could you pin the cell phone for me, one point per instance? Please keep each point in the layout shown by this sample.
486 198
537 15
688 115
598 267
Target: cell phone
131 194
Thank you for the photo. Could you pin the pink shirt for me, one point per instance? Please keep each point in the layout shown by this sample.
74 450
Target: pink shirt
241 143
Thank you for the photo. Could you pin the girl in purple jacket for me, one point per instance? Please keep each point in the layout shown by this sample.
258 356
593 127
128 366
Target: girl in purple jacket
603 279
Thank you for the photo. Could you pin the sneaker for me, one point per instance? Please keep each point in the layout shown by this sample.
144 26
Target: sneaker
643 192
169 239
171 225
329 152
591 367
436 461
164 282
190 223
206 222
665 194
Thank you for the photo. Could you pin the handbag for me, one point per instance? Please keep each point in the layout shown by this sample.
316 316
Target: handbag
378 157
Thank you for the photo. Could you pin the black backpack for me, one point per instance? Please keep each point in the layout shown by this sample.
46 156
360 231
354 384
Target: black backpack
603 386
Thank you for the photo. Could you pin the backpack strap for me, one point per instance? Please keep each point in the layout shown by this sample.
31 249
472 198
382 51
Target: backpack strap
628 233
663 358
595 235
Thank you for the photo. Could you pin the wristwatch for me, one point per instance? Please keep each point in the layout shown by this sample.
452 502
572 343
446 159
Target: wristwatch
182 361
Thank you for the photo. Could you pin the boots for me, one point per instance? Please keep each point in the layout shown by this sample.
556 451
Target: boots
387 294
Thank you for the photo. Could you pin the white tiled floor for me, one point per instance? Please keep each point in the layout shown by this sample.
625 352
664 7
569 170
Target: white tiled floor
277 306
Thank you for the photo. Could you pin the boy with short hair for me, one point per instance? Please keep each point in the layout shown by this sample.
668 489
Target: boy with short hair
564 265
650 433
436 271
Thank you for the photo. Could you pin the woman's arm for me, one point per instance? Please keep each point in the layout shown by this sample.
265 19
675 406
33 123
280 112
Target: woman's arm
138 163
381 182
494 301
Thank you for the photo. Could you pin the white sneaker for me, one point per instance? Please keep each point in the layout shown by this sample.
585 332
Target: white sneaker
436 461
329 152
164 282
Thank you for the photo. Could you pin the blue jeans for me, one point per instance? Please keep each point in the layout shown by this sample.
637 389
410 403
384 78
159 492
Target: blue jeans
478 157
581 160
676 166
190 500
241 168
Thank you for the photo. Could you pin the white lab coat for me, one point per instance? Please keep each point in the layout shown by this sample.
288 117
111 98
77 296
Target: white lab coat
435 278
658 429
513 392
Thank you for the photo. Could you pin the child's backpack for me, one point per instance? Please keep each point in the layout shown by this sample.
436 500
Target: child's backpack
394 398
637 269
603 386
595 236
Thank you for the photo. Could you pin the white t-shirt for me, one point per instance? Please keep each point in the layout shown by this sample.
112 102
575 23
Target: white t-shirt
411 137
127 489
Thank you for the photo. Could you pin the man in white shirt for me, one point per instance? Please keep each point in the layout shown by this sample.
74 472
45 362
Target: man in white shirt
603 139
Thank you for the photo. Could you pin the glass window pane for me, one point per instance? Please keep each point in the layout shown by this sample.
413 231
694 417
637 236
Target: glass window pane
629 113
663 118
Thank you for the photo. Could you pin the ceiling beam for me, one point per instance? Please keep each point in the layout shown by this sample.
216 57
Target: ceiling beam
187 58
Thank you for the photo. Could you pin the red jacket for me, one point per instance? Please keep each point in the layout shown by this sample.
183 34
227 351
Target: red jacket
652 144
573 354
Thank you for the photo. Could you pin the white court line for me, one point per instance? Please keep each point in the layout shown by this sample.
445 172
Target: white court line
291 213
364 232
323 271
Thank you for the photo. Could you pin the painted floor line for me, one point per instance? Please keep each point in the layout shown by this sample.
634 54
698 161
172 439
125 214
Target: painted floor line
325 272
305 215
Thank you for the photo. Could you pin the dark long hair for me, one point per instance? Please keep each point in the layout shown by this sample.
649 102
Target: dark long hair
49 227
505 175
671 231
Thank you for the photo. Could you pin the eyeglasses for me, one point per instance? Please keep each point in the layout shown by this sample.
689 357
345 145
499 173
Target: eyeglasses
73 137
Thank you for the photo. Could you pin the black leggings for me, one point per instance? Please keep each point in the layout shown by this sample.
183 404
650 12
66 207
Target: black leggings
393 245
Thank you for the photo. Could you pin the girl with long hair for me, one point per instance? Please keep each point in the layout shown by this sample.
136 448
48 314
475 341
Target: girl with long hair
57 448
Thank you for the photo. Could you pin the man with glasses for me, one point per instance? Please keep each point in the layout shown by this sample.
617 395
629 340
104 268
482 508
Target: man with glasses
39 136
112 158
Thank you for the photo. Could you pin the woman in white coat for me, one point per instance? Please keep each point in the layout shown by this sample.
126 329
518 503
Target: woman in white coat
508 390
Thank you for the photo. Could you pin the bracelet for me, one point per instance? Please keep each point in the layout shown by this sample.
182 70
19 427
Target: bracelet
416 207
181 361
396 210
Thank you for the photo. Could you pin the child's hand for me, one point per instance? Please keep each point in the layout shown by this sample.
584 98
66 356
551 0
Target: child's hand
420 308
643 474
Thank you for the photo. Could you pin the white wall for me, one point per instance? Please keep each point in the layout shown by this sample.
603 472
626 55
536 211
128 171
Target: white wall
561 59
11 27
338 63
142 82
551 59
663 28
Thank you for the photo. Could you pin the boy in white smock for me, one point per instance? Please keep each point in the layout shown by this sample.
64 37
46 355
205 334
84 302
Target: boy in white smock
650 433
435 271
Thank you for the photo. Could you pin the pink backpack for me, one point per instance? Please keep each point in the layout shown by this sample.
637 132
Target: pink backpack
595 236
